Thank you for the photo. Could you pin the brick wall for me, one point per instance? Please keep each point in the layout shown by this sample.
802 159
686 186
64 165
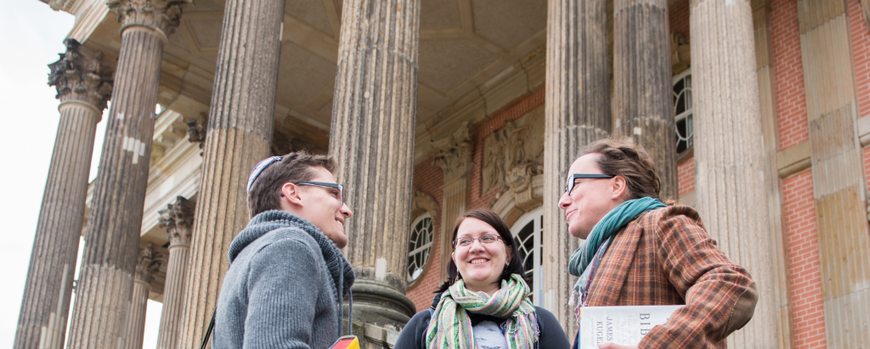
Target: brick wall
686 177
803 261
678 18
788 73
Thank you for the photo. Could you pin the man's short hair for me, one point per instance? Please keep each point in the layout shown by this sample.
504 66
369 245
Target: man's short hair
265 193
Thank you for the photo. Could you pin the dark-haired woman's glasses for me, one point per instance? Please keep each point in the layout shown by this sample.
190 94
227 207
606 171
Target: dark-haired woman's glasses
572 179
485 240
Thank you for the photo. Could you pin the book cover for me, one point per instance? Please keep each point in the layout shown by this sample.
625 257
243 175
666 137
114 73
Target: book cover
623 325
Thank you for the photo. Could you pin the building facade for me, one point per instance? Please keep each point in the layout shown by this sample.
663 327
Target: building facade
757 113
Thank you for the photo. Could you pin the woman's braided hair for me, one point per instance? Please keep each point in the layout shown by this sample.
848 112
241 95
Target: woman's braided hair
622 157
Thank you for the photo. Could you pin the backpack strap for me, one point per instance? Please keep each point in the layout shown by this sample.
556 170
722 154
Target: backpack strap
208 331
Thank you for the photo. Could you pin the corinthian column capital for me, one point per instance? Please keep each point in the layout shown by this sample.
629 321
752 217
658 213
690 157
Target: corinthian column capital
149 262
177 218
161 15
79 76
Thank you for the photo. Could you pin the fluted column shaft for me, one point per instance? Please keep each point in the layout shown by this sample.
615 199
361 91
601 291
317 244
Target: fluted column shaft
106 279
83 88
177 219
147 265
372 138
838 174
730 166
240 125
642 93
577 113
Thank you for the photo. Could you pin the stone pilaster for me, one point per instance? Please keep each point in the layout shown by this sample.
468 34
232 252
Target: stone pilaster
148 264
372 138
770 132
838 175
642 93
106 279
731 168
177 218
577 113
240 125
453 156
83 87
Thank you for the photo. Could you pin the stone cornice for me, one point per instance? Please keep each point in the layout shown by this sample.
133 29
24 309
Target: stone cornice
161 15
79 76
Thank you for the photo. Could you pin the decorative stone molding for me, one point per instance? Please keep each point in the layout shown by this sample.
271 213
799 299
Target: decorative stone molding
423 202
79 76
510 205
149 263
177 218
453 153
162 15
681 57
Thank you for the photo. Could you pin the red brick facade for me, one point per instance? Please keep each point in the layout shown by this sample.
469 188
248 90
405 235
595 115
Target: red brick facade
791 104
803 261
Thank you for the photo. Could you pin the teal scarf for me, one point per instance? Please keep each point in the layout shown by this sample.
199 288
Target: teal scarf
612 222
450 326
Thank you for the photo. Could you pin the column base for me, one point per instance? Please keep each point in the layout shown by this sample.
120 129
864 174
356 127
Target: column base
377 302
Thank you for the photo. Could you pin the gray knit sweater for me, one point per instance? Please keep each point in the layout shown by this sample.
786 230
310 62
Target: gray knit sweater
283 288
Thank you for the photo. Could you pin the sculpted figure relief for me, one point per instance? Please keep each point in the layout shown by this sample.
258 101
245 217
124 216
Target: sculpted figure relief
513 154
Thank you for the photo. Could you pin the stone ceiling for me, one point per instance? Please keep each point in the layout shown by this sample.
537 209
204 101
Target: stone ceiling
463 43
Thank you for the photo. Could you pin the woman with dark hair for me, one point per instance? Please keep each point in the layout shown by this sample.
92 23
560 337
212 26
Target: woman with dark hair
485 301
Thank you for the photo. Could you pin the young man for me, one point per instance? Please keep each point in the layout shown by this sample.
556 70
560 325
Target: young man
287 276
639 251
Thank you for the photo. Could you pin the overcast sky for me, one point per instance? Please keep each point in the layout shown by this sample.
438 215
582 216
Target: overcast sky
31 36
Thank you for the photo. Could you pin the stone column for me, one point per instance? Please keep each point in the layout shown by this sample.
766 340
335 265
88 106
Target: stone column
731 168
453 156
642 92
838 175
177 219
577 113
147 266
83 87
240 125
770 132
106 280
372 138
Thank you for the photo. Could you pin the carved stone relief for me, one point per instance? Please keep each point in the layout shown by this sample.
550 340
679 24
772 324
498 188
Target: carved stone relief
514 154
453 154
423 202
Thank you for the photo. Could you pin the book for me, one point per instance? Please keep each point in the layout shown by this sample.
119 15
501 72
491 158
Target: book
623 325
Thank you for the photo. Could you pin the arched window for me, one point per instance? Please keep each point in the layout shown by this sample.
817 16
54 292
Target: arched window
419 246
528 231
683 112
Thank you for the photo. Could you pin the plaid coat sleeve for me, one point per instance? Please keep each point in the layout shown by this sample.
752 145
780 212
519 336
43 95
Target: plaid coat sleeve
666 257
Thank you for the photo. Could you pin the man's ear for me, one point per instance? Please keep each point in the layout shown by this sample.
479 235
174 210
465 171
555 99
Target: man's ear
618 187
290 194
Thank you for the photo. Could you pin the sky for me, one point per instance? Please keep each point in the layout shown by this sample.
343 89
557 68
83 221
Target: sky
31 36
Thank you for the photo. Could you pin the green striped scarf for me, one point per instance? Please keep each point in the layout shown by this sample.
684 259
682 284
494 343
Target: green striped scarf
450 326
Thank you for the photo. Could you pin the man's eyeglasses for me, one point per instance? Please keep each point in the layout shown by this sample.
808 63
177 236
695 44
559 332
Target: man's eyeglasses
485 240
572 179
340 187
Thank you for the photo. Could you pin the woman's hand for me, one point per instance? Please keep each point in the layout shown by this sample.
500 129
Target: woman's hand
615 346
